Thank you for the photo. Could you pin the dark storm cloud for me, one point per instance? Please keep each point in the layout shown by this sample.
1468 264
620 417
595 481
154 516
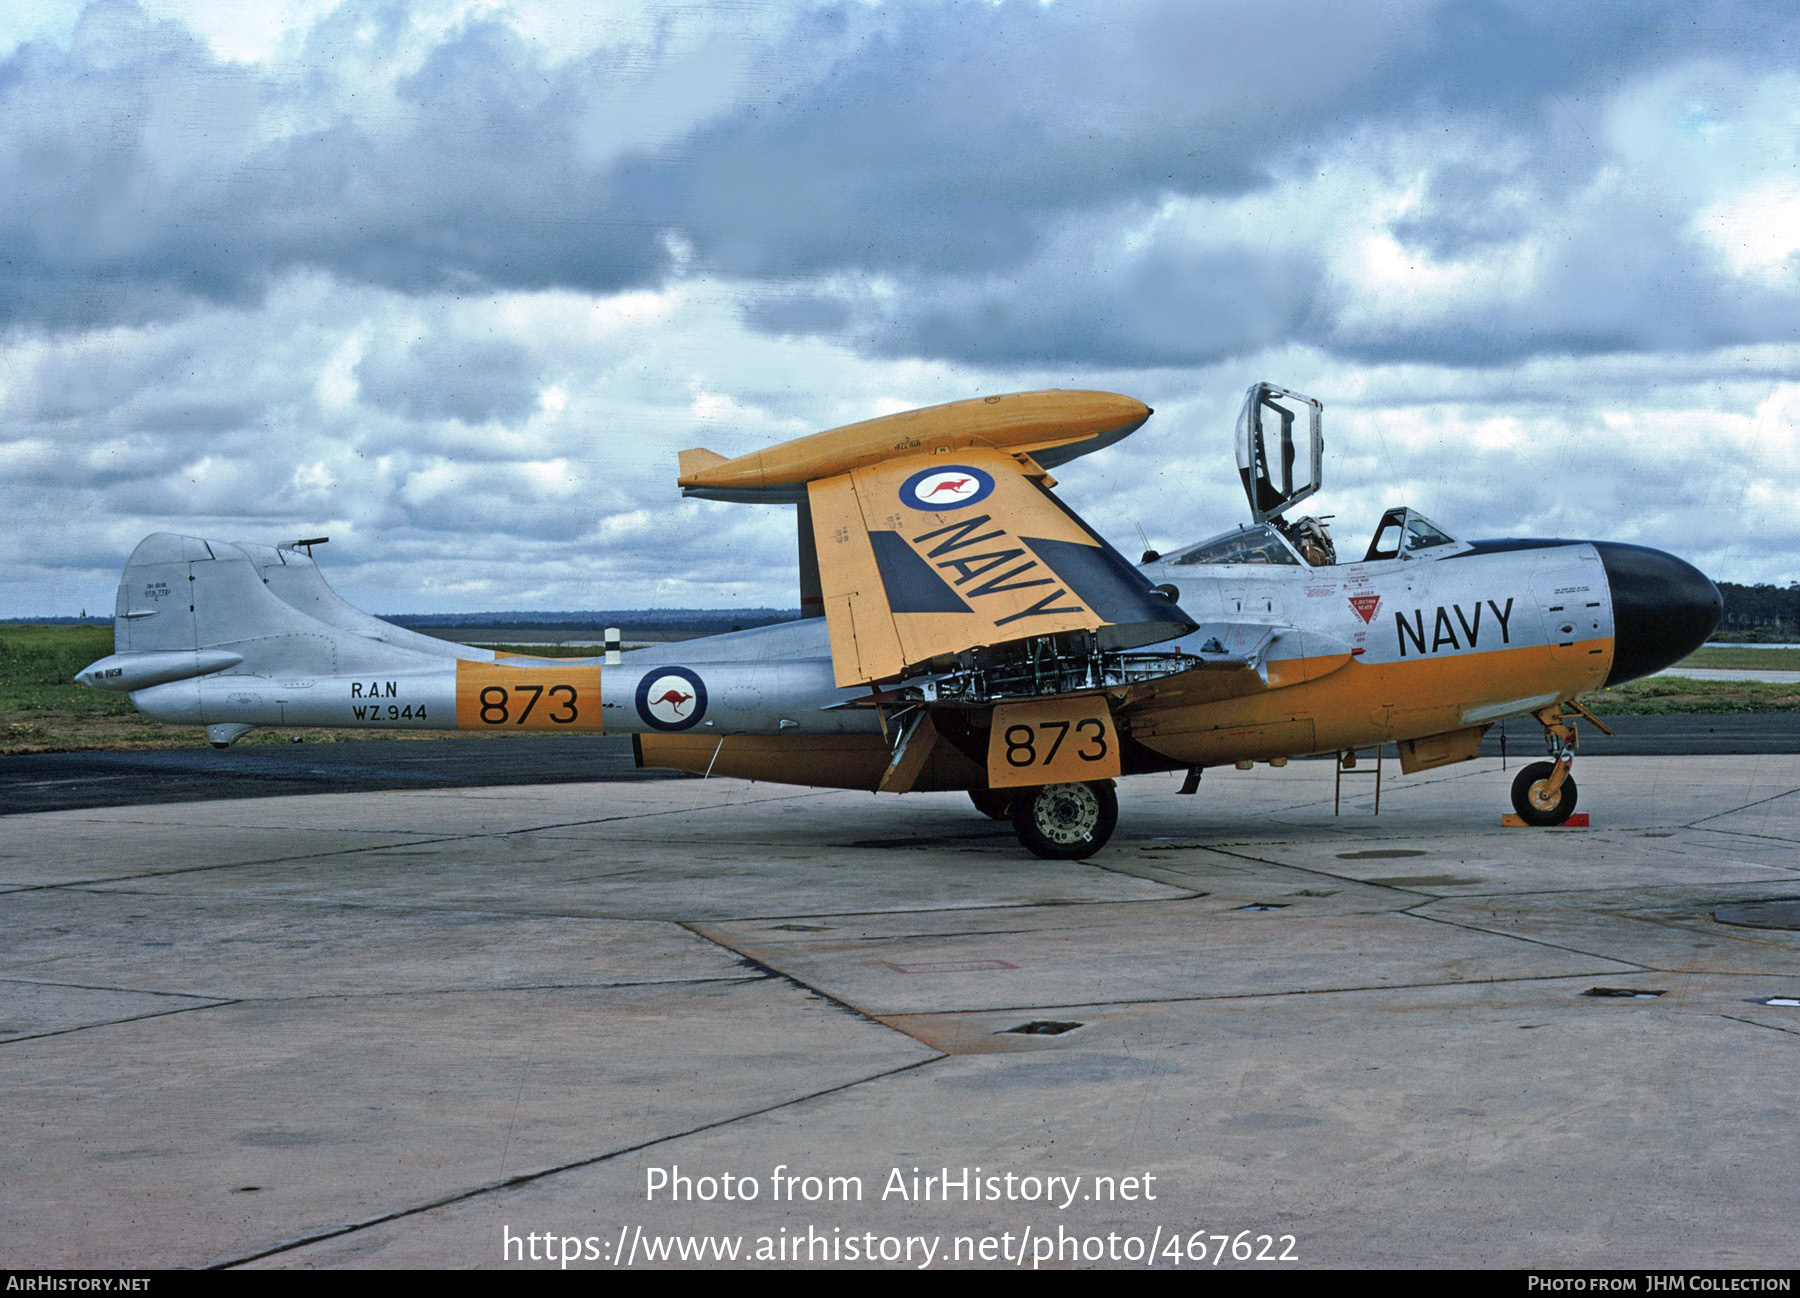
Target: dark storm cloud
142 173
1168 306
471 380
952 141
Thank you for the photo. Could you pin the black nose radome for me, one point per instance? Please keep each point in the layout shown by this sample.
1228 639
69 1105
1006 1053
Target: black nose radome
1663 608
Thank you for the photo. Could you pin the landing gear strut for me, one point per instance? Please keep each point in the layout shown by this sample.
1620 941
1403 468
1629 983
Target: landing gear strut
1065 822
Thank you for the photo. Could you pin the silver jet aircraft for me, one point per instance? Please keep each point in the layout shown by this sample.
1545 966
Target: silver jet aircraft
964 630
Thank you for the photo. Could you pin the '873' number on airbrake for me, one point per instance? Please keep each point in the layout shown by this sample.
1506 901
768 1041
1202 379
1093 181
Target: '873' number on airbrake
1052 741
1022 741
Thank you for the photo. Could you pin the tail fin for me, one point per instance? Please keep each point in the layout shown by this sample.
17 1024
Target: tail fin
154 608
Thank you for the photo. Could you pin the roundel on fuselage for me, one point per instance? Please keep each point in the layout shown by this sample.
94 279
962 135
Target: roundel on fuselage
671 698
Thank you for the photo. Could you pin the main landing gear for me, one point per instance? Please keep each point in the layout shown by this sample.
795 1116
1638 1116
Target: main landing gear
1065 822
1544 793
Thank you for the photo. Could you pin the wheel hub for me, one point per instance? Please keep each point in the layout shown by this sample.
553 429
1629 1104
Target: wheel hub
1067 813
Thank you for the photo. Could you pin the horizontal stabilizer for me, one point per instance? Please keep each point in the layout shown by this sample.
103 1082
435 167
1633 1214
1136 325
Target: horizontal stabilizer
123 673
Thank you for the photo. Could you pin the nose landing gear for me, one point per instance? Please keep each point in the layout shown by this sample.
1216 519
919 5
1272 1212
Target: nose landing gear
1544 793
1065 822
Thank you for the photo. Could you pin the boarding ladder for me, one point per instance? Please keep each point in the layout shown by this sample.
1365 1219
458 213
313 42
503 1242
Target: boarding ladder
1348 769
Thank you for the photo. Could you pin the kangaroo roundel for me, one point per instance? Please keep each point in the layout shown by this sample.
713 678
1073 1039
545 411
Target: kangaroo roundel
949 487
671 698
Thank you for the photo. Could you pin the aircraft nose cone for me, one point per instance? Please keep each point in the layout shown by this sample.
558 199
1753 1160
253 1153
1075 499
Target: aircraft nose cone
1663 608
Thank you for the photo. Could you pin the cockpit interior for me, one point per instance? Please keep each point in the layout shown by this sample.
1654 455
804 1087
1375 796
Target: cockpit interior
1277 475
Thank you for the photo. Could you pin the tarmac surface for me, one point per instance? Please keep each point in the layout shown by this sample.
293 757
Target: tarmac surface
64 781
404 1027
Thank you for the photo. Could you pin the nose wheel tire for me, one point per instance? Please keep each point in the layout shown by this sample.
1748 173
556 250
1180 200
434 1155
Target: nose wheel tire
1065 822
1531 796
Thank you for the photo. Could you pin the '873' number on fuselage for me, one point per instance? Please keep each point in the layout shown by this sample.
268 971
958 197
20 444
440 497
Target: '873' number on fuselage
495 696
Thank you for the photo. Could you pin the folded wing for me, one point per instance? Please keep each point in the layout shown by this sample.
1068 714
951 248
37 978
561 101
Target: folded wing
925 557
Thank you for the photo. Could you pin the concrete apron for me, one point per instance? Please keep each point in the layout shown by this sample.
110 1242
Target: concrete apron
400 1028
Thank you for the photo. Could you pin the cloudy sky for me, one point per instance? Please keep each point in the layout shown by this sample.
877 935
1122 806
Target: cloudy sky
452 281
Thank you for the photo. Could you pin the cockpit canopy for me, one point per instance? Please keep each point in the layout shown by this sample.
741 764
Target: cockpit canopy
1258 543
1402 534
1267 456
1407 534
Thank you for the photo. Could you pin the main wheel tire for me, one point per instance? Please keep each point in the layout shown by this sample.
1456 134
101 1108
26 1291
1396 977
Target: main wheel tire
995 804
1528 790
1065 822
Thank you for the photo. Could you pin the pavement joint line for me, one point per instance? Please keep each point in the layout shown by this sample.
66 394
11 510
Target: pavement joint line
1455 896
1535 941
1110 869
526 1178
159 822
1698 893
797 939
153 822
342 851
111 1023
352 994
1269 995
1773 1027
1744 833
945 910
371 904
769 971
1318 872
638 815
100 987
1730 811
1502 894
223 865
104 890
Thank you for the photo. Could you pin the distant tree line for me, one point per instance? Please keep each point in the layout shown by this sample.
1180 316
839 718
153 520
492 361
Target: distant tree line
1761 612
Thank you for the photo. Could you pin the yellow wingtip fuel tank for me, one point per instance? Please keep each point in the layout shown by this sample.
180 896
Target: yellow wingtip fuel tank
1052 427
